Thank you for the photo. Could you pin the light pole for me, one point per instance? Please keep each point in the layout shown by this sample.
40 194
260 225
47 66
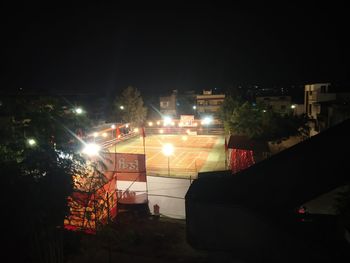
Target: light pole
207 121
168 149
95 134
112 127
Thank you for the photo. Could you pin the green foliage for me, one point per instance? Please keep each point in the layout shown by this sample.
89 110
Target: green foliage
257 122
134 112
38 178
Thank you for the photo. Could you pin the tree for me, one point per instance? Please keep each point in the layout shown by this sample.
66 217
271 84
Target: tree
130 107
38 158
258 122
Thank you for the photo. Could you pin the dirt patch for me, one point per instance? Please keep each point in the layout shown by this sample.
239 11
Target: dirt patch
144 239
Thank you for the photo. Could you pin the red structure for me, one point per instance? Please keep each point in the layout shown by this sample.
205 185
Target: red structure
94 201
89 209
241 159
244 152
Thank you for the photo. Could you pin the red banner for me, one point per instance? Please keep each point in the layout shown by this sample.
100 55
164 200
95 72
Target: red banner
124 162
241 159
131 180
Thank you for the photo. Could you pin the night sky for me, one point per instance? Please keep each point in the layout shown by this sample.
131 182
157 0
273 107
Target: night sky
92 48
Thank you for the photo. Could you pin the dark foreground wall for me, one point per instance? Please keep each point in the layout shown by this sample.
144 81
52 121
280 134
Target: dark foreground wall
251 213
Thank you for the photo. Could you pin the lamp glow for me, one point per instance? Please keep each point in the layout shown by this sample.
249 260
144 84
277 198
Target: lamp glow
91 149
167 120
207 120
168 149
31 142
78 110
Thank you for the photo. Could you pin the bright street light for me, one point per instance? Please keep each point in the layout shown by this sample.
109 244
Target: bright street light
78 110
293 106
194 107
168 149
167 120
31 142
121 107
113 126
91 149
206 121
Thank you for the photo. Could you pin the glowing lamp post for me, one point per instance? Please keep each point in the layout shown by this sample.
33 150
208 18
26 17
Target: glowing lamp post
78 111
113 127
168 149
91 149
167 120
206 121
31 142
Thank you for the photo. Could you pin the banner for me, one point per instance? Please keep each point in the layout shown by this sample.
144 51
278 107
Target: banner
186 120
124 162
130 174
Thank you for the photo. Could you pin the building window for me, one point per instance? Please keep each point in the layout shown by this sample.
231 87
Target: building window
164 104
323 89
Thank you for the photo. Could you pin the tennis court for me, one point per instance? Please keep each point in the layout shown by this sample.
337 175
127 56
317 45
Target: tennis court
192 153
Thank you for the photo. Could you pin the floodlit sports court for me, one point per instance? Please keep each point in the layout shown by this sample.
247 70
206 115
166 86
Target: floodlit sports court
190 153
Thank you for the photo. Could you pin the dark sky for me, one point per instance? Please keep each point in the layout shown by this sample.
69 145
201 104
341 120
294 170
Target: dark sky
160 48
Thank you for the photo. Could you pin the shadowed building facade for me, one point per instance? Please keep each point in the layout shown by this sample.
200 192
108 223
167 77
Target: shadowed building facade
252 213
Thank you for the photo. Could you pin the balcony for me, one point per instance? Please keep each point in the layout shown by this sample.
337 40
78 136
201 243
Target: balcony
321 97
